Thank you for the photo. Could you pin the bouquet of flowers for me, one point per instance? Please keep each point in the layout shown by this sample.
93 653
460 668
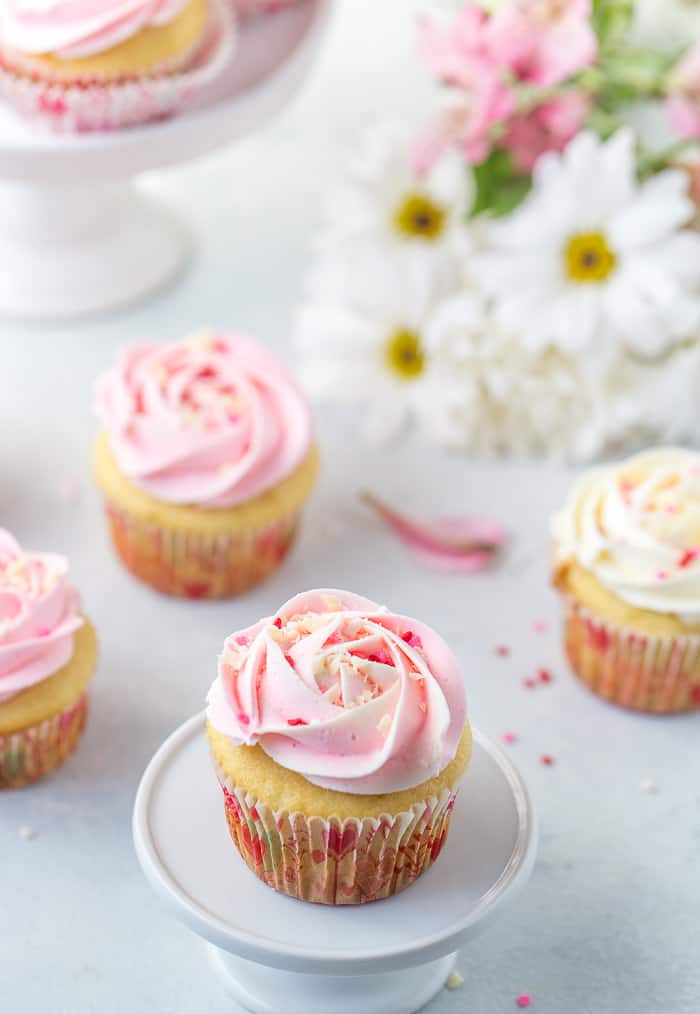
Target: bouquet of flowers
522 273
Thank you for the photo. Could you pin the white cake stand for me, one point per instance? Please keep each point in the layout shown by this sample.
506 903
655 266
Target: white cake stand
276 955
76 236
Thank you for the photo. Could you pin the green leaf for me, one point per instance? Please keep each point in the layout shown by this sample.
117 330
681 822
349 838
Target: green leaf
500 188
612 20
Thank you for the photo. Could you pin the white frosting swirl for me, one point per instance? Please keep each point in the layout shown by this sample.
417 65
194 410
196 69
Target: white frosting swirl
636 527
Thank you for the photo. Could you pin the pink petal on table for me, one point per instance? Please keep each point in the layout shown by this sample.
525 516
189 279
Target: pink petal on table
457 545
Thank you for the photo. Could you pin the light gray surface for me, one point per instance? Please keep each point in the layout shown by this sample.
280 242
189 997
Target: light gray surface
609 922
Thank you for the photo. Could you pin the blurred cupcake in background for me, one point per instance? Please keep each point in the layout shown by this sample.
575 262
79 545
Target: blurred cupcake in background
339 735
48 652
205 460
107 63
627 563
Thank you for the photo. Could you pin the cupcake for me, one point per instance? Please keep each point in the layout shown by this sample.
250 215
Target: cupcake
108 62
339 736
627 564
47 656
206 459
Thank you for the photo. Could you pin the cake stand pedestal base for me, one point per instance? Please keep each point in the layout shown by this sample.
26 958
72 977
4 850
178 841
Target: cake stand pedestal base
276 955
265 990
75 249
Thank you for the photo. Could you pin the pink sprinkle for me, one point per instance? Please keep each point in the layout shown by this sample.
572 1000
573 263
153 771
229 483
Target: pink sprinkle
529 683
43 632
289 660
547 760
540 626
502 650
544 676
381 656
413 639
277 622
297 721
243 718
662 575
242 639
509 737
524 1000
688 557
671 508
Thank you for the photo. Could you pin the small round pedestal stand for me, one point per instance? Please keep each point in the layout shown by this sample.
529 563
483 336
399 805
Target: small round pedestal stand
275 955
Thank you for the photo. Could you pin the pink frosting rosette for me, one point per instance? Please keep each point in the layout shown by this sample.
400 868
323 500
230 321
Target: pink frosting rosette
212 421
38 616
73 29
351 696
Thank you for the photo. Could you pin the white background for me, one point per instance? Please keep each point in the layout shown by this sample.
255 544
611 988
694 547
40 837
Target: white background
609 923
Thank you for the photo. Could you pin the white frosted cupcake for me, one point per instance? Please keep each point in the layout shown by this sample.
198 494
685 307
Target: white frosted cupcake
627 563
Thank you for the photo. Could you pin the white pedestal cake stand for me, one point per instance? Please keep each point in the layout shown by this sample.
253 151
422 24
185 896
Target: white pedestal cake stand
276 955
76 236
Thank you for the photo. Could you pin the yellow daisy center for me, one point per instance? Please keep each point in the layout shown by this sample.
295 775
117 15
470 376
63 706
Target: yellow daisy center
419 217
404 355
588 258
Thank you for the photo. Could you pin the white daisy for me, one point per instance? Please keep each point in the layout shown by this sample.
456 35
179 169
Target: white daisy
384 201
593 260
362 335
667 25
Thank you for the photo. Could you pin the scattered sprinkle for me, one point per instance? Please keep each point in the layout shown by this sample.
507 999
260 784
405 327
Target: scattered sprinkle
524 1000
242 639
289 660
662 575
695 694
502 650
648 785
43 632
529 683
540 626
454 980
26 833
509 737
277 622
544 676
243 718
547 760
688 557
297 721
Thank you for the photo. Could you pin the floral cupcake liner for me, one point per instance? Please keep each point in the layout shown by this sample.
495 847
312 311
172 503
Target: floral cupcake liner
644 672
258 8
109 105
198 566
337 862
31 753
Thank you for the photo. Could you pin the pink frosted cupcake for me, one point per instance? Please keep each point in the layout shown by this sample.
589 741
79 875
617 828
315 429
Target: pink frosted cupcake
107 63
206 458
339 735
47 656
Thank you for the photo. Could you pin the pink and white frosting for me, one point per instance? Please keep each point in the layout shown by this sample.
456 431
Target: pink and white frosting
351 696
211 421
73 29
38 616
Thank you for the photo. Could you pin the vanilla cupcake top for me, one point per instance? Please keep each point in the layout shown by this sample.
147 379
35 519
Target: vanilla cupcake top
73 29
38 616
636 527
212 421
337 688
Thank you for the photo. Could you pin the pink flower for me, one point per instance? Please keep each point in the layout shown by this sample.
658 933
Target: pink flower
544 42
683 106
550 127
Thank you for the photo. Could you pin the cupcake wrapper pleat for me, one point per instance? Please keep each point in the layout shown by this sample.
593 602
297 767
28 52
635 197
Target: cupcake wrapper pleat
103 105
643 672
31 753
332 861
194 565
